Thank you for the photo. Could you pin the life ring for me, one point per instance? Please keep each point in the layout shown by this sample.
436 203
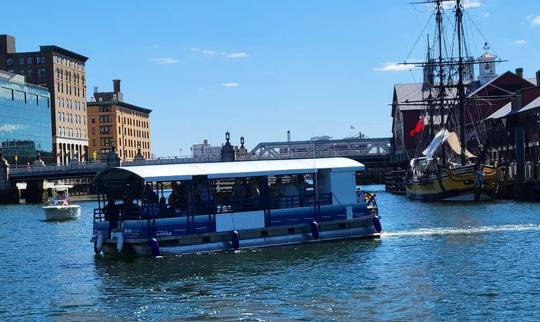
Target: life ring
235 240
154 246
98 242
315 230
377 224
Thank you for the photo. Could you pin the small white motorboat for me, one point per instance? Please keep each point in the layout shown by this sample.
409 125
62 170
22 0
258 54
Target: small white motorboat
60 207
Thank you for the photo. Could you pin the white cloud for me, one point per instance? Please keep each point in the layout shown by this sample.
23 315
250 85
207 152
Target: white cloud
212 52
208 52
520 42
394 67
535 21
231 84
165 60
237 55
487 14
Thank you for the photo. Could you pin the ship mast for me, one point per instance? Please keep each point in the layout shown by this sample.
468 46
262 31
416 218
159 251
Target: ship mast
461 86
442 90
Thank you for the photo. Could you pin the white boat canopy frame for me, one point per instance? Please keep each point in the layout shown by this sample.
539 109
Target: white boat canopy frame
221 170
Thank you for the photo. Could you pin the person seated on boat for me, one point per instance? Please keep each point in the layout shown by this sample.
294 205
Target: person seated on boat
275 192
252 193
128 209
184 196
239 195
302 187
203 196
59 198
149 195
174 197
66 201
289 196
112 214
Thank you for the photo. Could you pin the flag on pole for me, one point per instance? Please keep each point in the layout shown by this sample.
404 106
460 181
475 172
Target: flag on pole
419 126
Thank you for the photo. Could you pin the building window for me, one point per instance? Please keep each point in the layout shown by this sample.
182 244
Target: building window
40 60
41 73
105 129
105 119
9 61
21 60
29 60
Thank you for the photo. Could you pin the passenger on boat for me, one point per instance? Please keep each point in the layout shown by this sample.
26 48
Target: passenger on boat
59 198
149 194
275 192
252 193
289 196
203 196
112 214
129 210
302 187
174 197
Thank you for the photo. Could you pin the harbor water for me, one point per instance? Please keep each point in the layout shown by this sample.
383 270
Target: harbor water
433 262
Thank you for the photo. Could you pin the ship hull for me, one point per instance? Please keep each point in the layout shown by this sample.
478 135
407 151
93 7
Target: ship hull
458 184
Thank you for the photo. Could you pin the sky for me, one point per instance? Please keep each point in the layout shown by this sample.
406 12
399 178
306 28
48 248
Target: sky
260 68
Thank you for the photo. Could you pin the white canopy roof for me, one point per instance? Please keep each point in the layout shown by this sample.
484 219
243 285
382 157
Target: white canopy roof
217 170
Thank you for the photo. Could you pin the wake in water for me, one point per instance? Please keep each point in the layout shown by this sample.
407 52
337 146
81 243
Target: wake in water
461 231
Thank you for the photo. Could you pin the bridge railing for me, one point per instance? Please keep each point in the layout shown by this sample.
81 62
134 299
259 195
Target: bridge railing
31 169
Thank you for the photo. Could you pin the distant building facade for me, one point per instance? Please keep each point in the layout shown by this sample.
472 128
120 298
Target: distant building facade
25 120
111 121
63 73
206 151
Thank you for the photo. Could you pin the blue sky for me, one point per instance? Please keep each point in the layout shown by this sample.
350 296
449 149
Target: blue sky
259 68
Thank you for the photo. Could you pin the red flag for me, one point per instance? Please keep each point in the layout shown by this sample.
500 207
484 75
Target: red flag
419 126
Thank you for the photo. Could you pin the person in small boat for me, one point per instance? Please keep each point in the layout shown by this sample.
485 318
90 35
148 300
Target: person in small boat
112 214
59 198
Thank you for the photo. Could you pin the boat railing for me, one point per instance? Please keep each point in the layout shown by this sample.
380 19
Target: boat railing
156 211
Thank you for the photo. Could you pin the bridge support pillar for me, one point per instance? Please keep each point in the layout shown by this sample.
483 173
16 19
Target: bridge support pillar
8 192
34 191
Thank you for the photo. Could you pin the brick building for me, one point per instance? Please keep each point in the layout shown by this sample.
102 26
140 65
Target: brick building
111 121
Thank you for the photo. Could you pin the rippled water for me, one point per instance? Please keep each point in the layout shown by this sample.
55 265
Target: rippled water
433 261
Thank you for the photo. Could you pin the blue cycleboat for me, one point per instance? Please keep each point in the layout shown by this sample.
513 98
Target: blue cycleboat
213 207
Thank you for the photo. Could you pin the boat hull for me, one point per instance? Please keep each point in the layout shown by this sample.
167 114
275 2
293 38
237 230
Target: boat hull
58 213
252 238
452 185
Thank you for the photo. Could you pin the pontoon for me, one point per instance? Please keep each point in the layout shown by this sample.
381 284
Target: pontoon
214 207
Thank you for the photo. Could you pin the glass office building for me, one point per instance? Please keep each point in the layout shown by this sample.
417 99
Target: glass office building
25 120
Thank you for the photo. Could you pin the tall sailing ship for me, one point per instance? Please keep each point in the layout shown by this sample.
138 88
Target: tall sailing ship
444 168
